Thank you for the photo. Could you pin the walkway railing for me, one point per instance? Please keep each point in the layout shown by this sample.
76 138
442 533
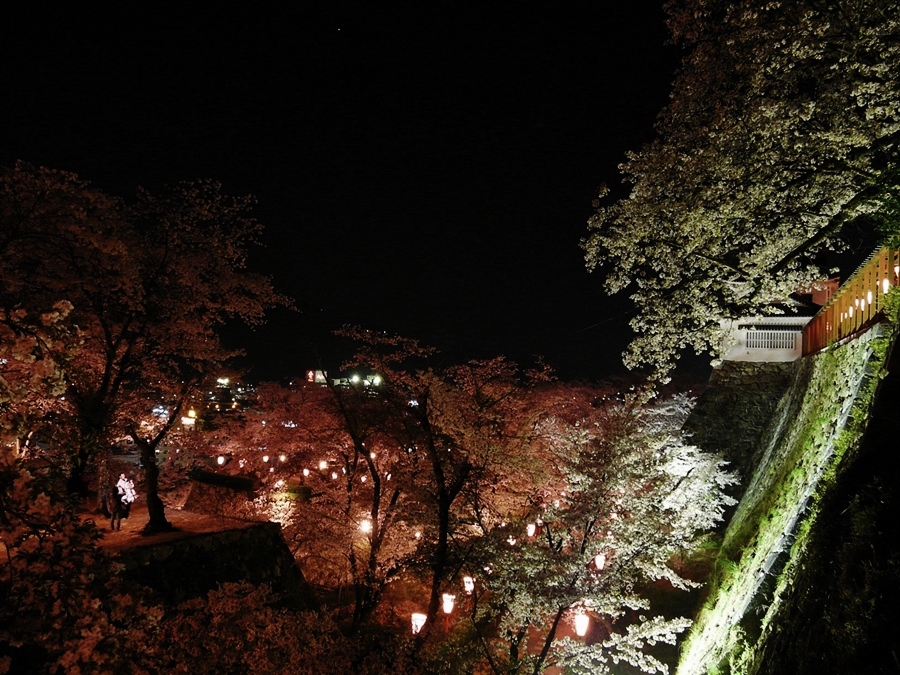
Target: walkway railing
859 300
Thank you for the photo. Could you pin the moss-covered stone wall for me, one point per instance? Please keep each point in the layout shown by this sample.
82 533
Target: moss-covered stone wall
735 410
813 434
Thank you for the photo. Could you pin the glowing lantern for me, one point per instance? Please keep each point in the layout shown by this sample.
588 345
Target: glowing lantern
418 535
305 472
600 560
511 541
885 285
448 603
366 526
334 475
323 465
468 585
418 620
532 528
581 624
281 458
220 460
869 297
192 413
265 458
362 479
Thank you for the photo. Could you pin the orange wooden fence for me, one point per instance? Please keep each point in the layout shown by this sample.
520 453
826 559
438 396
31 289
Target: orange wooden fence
858 301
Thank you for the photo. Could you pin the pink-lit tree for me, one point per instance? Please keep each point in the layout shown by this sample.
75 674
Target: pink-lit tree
149 282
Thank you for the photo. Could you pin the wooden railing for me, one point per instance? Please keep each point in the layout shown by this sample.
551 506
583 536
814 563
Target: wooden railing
857 302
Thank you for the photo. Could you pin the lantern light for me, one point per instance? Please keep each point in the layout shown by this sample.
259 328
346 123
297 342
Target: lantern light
282 458
323 465
366 526
869 297
885 285
362 479
581 623
448 603
468 585
265 458
532 528
600 560
305 472
418 535
220 460
511 541
418 620
334 475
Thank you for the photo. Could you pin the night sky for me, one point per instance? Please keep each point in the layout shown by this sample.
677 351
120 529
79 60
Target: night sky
420 172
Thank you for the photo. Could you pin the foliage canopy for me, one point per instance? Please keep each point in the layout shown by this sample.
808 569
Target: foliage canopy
782 131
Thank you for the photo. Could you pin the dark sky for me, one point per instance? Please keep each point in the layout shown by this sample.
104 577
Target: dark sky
421 172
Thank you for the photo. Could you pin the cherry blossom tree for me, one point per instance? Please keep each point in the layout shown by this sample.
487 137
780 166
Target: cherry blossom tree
149 281
782 133
627 495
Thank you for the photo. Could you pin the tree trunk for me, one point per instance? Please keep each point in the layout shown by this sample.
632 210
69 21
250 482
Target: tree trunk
155 507
76 484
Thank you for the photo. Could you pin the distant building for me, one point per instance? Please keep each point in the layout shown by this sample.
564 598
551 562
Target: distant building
764 339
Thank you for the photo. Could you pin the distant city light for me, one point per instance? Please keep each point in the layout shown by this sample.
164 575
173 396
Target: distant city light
224 381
